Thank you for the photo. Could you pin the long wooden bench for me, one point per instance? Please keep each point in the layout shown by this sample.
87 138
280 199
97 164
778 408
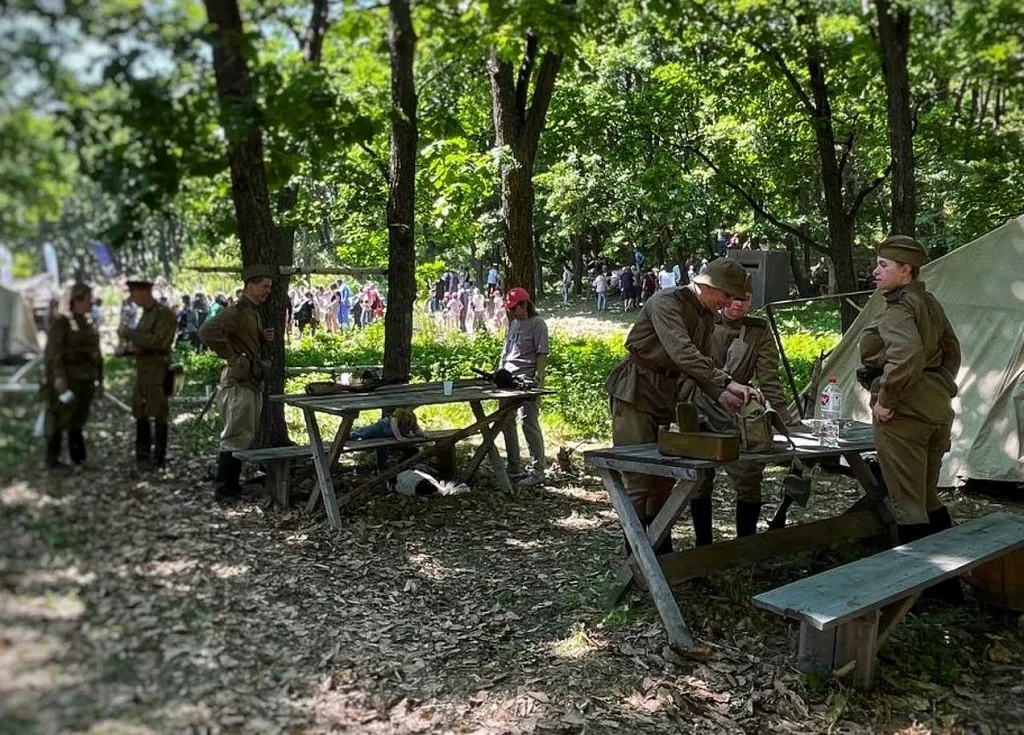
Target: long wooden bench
278 460
847 613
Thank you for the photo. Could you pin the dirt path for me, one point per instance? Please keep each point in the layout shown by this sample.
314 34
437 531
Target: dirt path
134 605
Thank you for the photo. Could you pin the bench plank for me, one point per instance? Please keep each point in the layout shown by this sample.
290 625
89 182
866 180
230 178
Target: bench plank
838 595
353 445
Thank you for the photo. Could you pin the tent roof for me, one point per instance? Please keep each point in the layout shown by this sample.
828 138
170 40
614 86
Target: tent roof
981 287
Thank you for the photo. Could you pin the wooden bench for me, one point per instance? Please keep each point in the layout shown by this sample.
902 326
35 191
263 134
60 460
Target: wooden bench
278 460
847 613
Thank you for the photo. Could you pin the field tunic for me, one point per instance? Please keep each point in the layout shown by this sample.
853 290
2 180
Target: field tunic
670 340
760 362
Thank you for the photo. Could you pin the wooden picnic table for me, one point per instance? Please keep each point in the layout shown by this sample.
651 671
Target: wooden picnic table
870 516
348 406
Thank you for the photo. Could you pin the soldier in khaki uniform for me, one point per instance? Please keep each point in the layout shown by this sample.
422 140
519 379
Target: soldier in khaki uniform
745 349
74 375
236 334
151 342
671 340
911 357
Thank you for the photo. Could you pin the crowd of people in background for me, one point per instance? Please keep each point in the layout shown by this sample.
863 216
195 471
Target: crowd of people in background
338 307
632 283
457 303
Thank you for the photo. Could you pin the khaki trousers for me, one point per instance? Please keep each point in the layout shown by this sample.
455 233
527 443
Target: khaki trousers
630 426
745 479
240 408
910 455
149 402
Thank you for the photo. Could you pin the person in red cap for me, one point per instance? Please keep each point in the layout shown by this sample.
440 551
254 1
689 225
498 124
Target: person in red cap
525 354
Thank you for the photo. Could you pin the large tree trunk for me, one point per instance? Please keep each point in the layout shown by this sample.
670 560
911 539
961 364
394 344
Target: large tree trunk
894 45
401 194
517 130
253 216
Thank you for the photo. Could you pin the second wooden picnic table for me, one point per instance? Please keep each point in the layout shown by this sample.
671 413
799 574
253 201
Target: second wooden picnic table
348 406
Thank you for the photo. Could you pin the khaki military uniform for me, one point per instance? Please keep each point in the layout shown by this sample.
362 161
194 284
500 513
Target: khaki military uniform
72 354
671 339
914 344
235 334
152 340
746 351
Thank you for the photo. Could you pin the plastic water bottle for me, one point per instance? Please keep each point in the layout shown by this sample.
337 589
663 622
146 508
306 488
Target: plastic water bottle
831 408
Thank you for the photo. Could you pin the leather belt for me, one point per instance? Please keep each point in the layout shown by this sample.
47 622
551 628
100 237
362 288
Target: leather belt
654 368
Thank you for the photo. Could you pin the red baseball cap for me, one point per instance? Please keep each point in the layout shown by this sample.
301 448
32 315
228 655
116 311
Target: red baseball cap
515 297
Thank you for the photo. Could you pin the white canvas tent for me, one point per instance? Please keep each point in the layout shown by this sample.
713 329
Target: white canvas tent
18 299
981 287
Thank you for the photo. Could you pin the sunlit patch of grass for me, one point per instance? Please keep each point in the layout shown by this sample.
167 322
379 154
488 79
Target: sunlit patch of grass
576 645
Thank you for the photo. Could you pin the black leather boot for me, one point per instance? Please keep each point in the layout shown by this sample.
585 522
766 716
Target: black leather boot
160 445
143 440
227 488
949 590
53 442
700 510
76 445
747 516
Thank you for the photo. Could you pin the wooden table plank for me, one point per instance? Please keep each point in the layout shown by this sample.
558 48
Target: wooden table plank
833 597
421 394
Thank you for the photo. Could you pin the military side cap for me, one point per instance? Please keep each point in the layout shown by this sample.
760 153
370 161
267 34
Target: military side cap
903 249
139 282
257 271
725 274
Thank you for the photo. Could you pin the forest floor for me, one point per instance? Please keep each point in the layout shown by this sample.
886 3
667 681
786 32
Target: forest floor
133 604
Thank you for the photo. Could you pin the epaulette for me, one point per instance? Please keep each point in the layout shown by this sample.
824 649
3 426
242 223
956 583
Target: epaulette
894 296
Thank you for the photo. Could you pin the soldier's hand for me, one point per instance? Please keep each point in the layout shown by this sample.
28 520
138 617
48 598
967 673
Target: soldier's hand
268 334
882 413
730 401
743 392
60 385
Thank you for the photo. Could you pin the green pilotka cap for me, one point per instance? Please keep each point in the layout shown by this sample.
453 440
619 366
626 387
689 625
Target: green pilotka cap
903 249
725 274
258 271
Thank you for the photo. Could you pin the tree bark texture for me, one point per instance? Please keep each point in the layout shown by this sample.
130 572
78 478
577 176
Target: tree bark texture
894 42
518 122
256 232
401 194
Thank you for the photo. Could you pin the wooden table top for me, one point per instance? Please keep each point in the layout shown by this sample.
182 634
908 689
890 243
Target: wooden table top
646 456
410 395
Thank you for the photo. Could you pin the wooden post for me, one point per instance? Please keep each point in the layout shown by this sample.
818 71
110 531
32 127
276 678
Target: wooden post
816 654
668 608
279 479
1001 581
857 641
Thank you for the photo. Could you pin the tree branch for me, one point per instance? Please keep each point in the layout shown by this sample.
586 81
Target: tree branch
754 203
866 192
312 44
542 93
525 72
381 166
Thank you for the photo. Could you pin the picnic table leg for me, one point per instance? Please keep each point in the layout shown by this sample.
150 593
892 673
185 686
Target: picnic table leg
875 498
668 608
488 436
332 457
658 531
493 456
323 469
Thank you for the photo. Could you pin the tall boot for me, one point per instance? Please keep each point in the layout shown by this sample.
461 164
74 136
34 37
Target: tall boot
227 488
143 440
76 445
747 516
53 442
700 510
160 444
949 590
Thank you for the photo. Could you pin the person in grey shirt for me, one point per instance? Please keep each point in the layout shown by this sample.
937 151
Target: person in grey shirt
525 354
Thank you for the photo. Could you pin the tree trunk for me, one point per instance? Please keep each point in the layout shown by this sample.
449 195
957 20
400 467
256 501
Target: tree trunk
577 264
840 229
803 285
254 220
894 40
517 130
401 194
